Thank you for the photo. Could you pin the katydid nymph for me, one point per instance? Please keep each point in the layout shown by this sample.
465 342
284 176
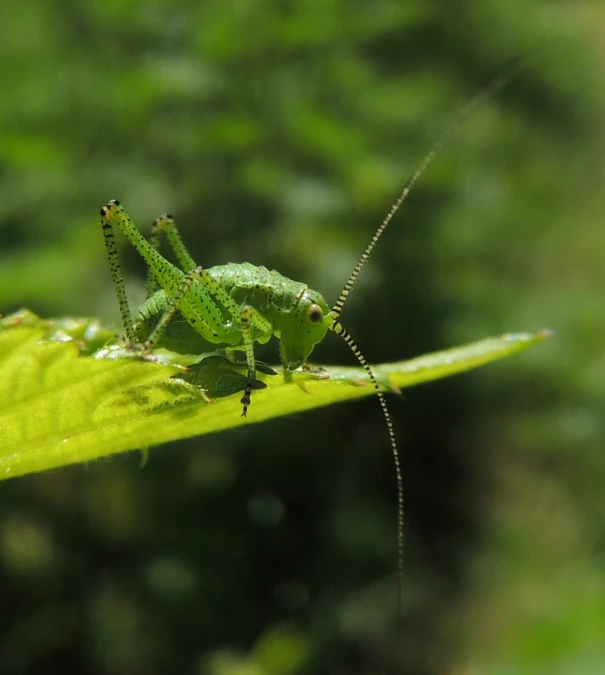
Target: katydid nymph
191 309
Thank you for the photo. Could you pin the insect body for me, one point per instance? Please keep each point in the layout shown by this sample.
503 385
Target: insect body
197 310
193 310
279 307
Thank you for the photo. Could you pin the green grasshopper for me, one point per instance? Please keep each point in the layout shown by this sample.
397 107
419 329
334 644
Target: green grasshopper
196 310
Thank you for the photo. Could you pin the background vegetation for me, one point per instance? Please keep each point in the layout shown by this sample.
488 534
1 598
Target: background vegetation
279 133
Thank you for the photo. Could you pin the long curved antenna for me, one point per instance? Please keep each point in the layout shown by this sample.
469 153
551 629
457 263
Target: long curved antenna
340 330
492 88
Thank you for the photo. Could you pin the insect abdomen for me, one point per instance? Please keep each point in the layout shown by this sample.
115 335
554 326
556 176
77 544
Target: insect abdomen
268 291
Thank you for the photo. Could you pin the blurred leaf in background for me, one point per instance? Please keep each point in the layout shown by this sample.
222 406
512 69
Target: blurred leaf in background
279 133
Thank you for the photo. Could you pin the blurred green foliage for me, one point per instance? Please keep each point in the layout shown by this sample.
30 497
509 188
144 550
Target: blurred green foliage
279 133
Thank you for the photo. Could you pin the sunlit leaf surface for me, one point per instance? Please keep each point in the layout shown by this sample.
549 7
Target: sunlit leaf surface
66 398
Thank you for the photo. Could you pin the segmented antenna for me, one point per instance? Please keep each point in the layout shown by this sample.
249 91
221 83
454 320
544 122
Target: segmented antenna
492 88
338 328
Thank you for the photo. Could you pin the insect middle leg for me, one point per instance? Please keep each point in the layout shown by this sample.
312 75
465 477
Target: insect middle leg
251 316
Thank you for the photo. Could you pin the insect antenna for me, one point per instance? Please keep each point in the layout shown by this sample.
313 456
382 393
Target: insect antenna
492 88
476 102
338 328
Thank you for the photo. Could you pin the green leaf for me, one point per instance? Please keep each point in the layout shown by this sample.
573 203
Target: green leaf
67 398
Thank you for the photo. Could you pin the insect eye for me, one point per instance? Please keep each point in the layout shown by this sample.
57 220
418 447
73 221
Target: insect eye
315 313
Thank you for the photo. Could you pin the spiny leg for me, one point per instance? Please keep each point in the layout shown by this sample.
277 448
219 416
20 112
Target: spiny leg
169 277
166 225
250 315
340 330
214 289
155 240
117 277
167 274
161 326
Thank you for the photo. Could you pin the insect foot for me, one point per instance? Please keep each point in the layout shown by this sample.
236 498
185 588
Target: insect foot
245 400
136 347
111 204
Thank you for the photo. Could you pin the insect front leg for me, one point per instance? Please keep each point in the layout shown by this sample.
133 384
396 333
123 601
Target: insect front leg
250 316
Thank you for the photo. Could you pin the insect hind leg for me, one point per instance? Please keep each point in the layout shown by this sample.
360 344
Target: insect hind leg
117 276
165 225
195 274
